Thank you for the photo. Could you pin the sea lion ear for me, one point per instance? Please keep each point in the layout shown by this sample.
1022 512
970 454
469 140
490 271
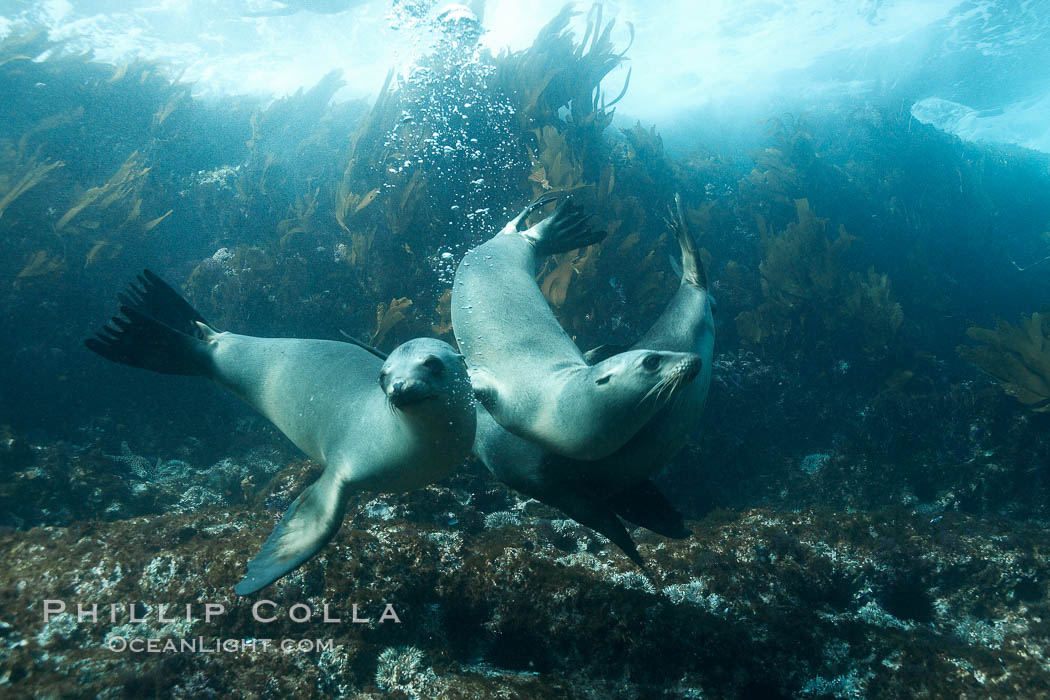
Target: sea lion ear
604 379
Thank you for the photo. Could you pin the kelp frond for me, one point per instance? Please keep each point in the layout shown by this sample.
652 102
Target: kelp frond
802 263
562 270
28 174
1018 357
128 178
870 302
388 316
555 166
809 292
42 263
444 312
557 72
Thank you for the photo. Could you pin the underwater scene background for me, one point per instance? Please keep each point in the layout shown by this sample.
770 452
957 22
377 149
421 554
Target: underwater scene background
869 495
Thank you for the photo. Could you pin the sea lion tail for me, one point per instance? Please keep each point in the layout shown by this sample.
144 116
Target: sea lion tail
692 270
310 522
159 331
568 228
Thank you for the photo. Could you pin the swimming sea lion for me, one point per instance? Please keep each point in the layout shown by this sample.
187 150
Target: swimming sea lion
595 492
527 372
382 426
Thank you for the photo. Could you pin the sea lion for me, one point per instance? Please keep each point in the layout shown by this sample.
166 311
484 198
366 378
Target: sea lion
390 425
595 492
527 372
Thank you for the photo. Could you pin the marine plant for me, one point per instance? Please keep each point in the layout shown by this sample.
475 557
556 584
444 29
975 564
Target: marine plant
1018 357
810 298
560 271
388 316
557 72
42 262
20 172
443 325
123 186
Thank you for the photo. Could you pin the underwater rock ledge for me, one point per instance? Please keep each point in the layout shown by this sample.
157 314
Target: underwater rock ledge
755 604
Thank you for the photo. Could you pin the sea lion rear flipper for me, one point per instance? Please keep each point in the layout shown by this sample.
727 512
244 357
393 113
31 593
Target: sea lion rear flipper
604 352
598 516
159 331
566 229
645 505
692 270
312 519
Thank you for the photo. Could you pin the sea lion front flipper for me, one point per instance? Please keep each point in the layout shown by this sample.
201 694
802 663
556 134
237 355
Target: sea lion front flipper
485 389
312 519
568 228
598 516
644 504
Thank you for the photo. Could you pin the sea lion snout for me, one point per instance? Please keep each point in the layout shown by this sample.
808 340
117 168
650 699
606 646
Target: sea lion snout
420 369
407 392
690 366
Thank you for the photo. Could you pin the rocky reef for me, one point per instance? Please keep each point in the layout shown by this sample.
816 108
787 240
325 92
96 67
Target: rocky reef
499 597
869 510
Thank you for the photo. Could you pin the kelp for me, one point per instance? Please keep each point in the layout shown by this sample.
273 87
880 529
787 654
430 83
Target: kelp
557 72
162 113
366 144
300 221
878 317
810 295
443 325
388 316
1018 357
802 265
102 250
126 182
42 262
555 165
21 173
560 271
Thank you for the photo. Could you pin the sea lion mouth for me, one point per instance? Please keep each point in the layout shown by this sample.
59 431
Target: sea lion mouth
402 394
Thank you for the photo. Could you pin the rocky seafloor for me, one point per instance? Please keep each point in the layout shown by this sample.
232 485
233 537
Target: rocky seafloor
500 597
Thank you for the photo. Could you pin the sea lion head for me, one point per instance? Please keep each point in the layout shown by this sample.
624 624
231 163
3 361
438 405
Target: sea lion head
424 371
616 398
644 378
631 387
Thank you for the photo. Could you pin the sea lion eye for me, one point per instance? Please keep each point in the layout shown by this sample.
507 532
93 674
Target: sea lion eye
651 362
434 364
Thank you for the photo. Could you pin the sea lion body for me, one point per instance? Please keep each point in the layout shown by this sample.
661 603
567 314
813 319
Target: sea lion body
324 395
594 492
374 424
527 372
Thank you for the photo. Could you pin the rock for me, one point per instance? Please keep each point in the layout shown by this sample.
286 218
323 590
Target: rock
806 604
